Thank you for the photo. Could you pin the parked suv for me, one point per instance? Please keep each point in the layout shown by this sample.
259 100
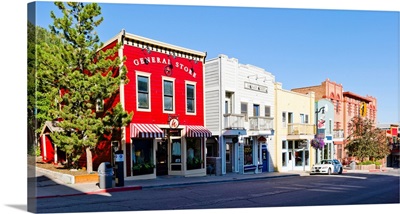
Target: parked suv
327 166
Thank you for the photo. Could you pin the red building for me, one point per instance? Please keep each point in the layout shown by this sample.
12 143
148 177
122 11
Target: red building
166 94
49 151
393 140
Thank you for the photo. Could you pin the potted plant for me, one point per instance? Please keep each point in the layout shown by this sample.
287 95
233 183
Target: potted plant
194 163
143 168
317 143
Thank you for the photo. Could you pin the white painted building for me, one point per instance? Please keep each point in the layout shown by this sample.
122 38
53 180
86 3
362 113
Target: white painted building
239 102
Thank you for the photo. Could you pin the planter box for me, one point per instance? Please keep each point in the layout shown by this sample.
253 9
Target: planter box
142 172
365 167
86 178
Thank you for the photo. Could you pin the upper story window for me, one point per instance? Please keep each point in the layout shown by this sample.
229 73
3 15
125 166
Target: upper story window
243 110
337 106
304 118
143 91
268 111
190 97
284 119
228 102
349 109
256 110
168 95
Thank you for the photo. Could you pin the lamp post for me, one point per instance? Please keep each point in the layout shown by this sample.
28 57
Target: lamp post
322 110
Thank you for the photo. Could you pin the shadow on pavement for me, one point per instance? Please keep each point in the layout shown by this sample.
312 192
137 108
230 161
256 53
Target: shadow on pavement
42 187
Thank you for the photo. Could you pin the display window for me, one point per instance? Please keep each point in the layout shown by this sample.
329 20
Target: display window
142 157
194 154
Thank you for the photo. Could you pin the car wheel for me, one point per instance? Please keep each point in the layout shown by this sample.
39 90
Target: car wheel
329 171
340 170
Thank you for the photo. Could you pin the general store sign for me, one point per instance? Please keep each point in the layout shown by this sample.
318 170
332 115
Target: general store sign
166 61
255 87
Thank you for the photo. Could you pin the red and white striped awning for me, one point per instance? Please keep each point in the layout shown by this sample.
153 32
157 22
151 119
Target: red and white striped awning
140 130
197 131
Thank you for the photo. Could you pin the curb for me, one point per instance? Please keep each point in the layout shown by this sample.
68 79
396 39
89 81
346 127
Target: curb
67 179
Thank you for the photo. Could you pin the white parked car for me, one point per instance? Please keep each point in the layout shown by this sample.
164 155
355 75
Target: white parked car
327 167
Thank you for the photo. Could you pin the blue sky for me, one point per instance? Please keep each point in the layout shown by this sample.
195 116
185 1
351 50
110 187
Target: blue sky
301 47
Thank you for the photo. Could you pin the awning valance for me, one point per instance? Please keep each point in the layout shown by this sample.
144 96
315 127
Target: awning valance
197 131
233 132
141 130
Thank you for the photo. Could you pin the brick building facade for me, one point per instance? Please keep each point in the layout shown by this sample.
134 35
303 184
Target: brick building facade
346 106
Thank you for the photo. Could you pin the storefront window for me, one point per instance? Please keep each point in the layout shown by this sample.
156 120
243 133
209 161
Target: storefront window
176 151
194 160
299 158
248 152
301 154
284 144
142 157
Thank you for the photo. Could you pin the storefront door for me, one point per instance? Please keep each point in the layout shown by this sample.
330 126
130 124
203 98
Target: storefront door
162 158
229 157
265 157
290 162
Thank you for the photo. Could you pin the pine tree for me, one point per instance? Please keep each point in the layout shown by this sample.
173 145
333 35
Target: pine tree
41 88
85 76
365 141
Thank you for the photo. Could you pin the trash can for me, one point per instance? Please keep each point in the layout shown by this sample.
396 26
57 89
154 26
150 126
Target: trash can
105 172
353 165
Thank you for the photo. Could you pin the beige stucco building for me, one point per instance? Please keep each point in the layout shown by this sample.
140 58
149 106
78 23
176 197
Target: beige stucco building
294 129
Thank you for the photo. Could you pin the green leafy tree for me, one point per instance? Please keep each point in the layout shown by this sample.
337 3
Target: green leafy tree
365 141
85 76
41 91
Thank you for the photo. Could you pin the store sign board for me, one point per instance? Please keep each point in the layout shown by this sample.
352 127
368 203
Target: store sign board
255 87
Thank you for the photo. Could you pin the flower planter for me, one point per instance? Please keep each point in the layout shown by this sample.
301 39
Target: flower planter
193 166
142 171
86 178
365 167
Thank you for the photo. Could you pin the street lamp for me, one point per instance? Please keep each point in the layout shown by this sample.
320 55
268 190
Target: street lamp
320 110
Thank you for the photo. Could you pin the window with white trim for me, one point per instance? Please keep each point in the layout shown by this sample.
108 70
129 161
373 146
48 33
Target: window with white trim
256 110
268 111
143 91
243 110
284 119
168 95
190 98
304 118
